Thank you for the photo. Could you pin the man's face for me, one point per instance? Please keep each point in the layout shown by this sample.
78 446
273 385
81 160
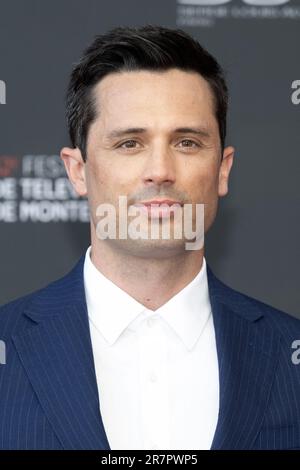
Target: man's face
164 159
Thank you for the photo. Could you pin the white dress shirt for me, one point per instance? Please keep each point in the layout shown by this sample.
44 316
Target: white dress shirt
157 371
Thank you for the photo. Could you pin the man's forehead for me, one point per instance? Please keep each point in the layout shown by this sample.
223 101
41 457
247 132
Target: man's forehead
134 103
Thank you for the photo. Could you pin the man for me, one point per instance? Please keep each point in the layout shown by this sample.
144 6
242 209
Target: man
140 346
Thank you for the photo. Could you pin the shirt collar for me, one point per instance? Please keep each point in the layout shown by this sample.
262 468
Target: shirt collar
112 310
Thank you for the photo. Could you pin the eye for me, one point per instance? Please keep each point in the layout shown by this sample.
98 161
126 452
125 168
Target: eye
191 143
131 144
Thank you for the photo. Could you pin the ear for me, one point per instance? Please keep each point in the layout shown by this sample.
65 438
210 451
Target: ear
75 168
224 170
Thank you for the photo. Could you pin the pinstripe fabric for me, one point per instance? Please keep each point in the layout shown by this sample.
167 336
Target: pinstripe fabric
48 390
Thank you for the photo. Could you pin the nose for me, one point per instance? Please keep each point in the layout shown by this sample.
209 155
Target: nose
160 167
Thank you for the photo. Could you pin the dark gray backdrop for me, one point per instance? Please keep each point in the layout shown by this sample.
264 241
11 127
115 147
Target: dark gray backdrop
254 243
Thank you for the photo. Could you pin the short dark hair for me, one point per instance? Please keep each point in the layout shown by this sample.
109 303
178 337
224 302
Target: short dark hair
150 47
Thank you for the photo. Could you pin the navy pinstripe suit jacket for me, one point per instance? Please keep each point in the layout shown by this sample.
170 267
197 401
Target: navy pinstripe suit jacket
48 390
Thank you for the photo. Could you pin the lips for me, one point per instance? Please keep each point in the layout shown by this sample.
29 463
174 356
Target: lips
159 208
158 202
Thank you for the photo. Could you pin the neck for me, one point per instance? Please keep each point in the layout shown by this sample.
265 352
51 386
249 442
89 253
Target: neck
150 281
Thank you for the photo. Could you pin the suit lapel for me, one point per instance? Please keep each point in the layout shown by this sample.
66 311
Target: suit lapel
247 354
57 355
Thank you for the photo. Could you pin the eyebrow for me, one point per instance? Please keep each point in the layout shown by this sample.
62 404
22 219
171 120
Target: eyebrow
120 132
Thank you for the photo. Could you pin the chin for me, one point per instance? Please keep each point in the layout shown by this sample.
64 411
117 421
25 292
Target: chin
151 248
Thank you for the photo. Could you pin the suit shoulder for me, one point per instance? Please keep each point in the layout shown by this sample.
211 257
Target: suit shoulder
278 319
52 297
287 324
11 311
